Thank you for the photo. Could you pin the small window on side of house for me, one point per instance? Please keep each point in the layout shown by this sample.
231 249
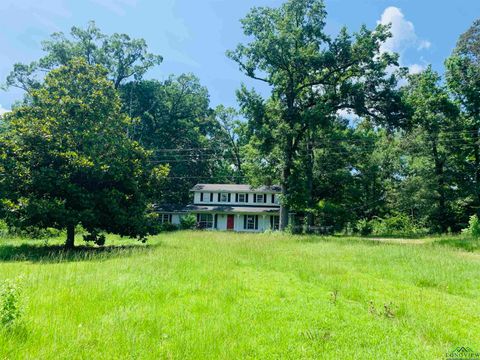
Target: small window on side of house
165 218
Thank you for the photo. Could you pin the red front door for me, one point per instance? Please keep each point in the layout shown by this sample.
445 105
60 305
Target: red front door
230 222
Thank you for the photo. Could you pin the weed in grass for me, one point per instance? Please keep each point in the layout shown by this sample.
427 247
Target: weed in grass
315 335
386 312
10 305
334 297
371 308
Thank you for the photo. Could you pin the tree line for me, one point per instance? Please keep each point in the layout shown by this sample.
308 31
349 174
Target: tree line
354 140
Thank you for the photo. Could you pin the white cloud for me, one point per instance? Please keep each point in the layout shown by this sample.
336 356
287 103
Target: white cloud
403 32
3 110
116 6
424 44
416 68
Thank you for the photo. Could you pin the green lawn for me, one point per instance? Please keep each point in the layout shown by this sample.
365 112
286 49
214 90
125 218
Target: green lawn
205 295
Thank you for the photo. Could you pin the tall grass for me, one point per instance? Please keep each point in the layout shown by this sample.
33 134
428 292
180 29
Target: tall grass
205 295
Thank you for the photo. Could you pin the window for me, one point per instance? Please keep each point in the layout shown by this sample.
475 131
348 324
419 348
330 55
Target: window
165 218
242 198
274 222
274 199
205 221
223 197
260 198
250 222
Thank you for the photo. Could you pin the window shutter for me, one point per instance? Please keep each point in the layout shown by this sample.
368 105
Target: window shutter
271 222
198 218
256 222
218 197
170 218
254 198
229 197
264 198
246 197
211 197
215 221
236 197
201 196
273 198
244 221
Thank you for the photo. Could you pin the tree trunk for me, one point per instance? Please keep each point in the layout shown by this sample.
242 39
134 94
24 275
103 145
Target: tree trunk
476 151
309 175
70 243
439 172
286 173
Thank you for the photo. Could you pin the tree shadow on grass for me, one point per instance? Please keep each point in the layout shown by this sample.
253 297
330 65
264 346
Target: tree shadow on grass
356 240
58 253
466 244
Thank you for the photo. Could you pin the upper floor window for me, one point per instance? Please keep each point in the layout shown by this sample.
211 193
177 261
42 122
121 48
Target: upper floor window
242 198
260 198
223 197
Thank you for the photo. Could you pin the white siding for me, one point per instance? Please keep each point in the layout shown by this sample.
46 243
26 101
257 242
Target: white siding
251 197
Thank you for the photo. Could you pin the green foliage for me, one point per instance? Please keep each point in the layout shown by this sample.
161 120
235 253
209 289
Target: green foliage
69 161
188 222
364 227
10 304
96 237
473 229
4 231
396 225
331 215
174 121
167 227
312 76
121 56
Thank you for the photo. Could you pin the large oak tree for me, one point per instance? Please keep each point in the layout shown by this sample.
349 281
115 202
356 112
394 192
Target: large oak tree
312 76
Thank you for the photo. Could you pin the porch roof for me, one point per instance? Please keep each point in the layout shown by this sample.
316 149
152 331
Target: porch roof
232 209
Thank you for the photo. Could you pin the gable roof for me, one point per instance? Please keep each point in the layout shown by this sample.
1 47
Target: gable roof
236 188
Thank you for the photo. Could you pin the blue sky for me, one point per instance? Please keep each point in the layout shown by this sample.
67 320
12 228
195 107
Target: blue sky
193 35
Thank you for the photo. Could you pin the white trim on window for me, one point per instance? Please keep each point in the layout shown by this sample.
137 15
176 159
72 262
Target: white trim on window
165 218
205 221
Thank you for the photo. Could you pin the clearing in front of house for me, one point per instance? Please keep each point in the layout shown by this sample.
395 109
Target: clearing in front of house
215 295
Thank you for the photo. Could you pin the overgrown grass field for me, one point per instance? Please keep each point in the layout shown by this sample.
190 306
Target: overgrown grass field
207 295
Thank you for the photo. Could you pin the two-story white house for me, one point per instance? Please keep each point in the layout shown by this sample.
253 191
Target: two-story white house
231 207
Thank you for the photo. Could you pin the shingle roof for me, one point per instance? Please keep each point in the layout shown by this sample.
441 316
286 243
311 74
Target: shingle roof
236 188
232 209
